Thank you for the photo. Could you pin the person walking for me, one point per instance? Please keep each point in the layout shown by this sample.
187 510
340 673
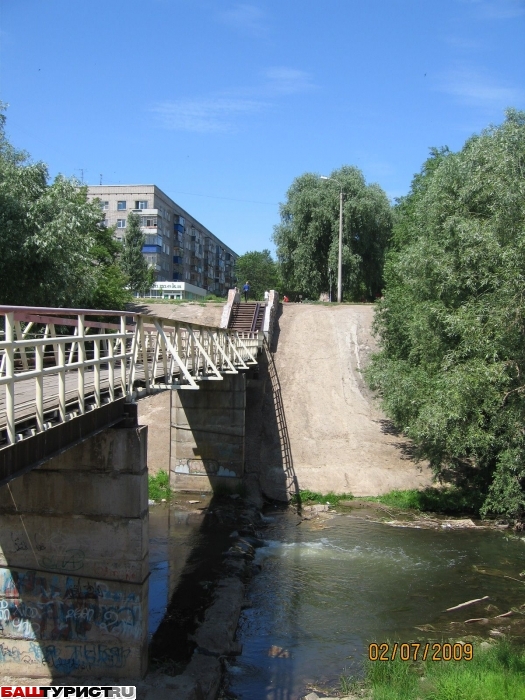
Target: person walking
246 290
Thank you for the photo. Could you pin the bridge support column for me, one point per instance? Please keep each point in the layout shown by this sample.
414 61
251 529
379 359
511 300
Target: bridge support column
74 562
207 435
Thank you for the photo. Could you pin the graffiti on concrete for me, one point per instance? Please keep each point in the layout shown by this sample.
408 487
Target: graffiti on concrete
52 607
206 467
66 659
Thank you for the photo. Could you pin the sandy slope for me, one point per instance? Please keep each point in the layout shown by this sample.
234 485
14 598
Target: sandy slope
339 437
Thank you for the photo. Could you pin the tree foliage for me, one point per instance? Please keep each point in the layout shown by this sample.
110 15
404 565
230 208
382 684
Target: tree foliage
140 275
53 251
307 237
452 322
260 269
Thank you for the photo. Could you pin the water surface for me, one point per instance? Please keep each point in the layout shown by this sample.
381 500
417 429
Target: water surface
328 589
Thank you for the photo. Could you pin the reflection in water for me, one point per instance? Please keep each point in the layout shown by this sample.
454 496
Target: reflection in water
172 536
323 595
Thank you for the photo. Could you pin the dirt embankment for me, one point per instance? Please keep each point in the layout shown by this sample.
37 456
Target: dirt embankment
340 440
205 313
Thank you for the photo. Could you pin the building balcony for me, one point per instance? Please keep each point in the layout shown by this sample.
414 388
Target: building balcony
152 249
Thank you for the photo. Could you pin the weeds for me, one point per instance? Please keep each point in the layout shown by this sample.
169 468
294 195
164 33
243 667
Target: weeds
306 497
450 500
159 486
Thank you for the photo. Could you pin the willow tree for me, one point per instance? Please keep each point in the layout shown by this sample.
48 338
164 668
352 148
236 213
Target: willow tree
307 237
452 322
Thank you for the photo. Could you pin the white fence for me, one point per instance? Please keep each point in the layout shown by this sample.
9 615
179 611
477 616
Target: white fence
56 364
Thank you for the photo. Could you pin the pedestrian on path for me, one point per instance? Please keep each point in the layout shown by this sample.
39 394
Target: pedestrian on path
246 290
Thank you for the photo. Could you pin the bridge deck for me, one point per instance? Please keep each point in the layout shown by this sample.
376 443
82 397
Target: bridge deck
60 364
25 395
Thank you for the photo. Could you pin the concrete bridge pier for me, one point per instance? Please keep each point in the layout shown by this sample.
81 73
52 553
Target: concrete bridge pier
208 435
74 562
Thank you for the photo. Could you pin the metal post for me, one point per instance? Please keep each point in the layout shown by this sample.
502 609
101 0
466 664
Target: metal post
39 387
62 380
340 261
10 374
81 365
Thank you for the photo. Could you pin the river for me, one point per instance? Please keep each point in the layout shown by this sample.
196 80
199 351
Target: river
327 588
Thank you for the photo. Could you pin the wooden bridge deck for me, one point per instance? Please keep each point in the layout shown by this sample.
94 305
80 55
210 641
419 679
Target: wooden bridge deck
25 393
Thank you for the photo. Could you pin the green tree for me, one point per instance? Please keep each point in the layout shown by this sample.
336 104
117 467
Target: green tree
260 269
307 237
133 263
51 241
452 321
111 283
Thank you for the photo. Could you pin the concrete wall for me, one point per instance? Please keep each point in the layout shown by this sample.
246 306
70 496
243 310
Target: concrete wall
154 411
74 562
208 434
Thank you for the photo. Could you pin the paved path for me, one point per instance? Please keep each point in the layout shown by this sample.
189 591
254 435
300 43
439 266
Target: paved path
340 439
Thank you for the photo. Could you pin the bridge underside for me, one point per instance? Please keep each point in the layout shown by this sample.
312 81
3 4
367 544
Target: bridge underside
19 457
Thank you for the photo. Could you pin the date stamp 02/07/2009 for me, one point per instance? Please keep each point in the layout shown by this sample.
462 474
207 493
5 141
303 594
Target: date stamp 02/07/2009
420 652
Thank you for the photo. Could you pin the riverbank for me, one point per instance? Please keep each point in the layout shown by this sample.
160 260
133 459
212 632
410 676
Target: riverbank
496 671
450 501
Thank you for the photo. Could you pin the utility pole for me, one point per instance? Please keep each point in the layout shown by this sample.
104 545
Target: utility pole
340 260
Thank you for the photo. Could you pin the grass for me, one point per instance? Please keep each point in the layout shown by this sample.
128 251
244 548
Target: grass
160 300
308 497
159 486
496 673
448 501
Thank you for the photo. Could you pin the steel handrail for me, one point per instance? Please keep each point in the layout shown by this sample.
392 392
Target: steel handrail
133 354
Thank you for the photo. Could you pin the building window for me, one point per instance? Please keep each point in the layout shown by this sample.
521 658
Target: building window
121 223
149 221
141 204
121 206
104 206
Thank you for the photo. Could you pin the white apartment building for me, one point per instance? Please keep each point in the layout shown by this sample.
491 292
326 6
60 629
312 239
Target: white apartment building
177 246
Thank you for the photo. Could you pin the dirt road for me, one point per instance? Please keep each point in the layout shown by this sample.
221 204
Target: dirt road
340 439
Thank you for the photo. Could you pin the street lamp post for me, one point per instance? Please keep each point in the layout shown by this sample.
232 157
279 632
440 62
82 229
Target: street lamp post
340 260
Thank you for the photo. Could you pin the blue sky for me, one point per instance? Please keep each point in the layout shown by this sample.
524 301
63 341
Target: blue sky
222 104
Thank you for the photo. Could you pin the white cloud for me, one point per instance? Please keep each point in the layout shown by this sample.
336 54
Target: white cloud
204 115
463 44
221 113
287 81
477 90
497 9
247 18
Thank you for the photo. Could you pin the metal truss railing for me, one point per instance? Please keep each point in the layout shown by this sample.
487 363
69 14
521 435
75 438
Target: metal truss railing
56 364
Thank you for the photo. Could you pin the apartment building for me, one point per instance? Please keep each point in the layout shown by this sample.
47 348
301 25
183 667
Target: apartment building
177 246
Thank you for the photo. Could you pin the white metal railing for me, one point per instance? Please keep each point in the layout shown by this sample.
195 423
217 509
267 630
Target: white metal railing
64 362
